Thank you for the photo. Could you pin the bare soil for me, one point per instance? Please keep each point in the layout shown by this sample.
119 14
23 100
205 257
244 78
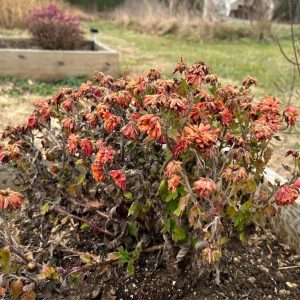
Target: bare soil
264 269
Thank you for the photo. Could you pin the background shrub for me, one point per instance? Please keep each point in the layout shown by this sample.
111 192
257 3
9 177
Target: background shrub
54 29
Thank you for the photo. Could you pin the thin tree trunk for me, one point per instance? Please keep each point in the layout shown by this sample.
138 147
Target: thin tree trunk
297 13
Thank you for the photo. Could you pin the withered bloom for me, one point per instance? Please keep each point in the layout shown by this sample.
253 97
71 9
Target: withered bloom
111 121
248 81
182 145
286 195
226 116
32 122
269 105
234 173
181 67
92 119
153 75
86 147
72 144
69 124
104 155
97 172
174 167
130 130
196 74
10 199
119 178
204 187
173 183
265 127
151 125
290 115
203 135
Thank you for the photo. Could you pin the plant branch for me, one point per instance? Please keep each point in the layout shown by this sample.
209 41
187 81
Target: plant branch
97 228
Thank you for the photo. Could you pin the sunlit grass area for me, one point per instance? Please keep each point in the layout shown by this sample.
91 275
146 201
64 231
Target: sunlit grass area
232 60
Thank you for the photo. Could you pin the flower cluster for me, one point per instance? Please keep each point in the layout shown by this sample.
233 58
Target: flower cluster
288 193
10 199
173 173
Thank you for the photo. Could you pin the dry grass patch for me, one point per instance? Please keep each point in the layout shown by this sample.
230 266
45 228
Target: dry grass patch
15 111
15 13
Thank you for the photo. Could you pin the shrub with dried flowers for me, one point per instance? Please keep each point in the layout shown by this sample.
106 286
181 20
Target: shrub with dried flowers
174 161
54 29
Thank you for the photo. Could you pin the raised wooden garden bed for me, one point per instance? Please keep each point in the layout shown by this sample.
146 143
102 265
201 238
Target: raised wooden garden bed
21 58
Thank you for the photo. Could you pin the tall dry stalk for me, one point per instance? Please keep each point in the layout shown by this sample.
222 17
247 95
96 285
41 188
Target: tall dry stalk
14 13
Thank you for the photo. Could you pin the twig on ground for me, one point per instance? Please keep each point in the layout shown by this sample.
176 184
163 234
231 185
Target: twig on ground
97 228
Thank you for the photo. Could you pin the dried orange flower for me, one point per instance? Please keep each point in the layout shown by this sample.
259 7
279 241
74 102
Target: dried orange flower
45 112
67 105
32 122
97 171
199 113
248 81
119 178
153 75
174 167
72 144
10 199
92 119
138 85
111 121
196 74
176 102
286 195
104 155
130 130
101 109
269 105
226 116
14 149
265 127
234 173
182 145
202 135
290 115
151 125
152 100
102 79
86 147
173 183
69 124
204 187
181 67
123 98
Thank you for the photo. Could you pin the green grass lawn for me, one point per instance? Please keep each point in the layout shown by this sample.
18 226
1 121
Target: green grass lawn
231 60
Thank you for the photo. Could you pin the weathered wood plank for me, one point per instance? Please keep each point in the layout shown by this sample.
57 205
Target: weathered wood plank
57 64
